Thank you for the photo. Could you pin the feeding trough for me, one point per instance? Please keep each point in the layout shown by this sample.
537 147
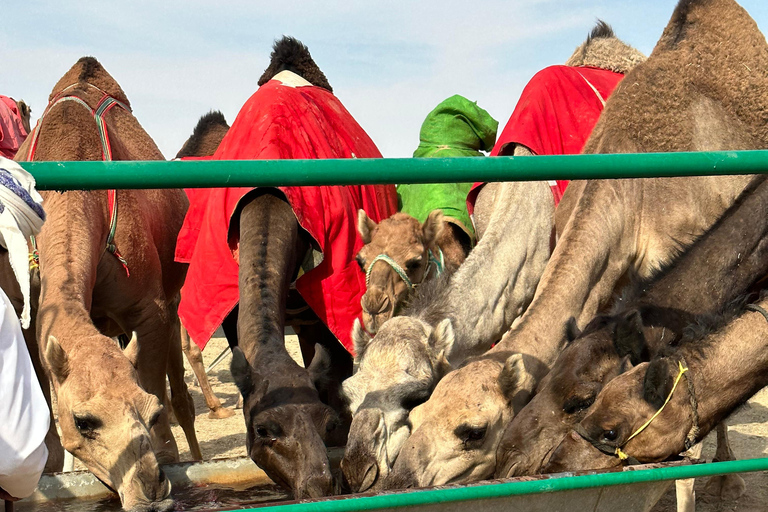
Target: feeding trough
238 484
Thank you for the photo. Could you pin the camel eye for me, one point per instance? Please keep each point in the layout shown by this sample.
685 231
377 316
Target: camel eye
577 404
262 431
610 435
413 264
470 436
87 425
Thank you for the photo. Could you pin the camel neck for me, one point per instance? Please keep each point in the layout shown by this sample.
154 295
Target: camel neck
70 245
728 366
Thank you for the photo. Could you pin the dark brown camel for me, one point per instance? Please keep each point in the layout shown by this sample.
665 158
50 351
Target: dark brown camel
205 139
110 402
724 369
288 421
720 266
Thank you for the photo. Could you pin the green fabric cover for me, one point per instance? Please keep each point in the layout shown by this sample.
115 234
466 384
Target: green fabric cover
456 127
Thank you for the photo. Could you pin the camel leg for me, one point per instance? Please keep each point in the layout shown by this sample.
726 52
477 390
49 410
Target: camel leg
686 495
728 487
195 358
182 402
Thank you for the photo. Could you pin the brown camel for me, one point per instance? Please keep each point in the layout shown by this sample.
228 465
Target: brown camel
719 267
291 412
691 94
205 139
110 402
450 319
705 380
414 249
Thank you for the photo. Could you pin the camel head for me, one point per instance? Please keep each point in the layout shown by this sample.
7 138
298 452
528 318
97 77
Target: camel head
603 351
398 369
110 423
25 113
625 404
405 241
206 137
286 429
456 432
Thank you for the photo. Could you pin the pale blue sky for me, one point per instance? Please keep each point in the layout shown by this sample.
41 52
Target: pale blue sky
390 62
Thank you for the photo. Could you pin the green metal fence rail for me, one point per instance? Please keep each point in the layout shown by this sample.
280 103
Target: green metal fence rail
499 490
249 173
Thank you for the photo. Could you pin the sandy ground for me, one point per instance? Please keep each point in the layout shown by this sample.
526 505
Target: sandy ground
226 437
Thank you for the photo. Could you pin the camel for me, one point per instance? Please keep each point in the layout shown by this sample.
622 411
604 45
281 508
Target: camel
110 401
204 141
705 378
25 113
291 412
690 94
414 245
451 319
719 267
415 249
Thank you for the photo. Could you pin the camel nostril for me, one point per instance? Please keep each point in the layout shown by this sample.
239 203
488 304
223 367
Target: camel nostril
370 475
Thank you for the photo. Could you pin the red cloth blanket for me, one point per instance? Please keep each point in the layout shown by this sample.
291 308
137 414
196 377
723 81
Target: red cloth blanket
12 132
281 121
556 114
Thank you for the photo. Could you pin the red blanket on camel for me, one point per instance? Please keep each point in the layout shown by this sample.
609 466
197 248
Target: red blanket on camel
555 115
282 121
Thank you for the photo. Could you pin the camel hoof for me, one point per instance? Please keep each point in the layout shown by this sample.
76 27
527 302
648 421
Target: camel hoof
727 487
220 413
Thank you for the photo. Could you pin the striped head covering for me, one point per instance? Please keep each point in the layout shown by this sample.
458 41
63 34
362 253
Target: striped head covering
21 216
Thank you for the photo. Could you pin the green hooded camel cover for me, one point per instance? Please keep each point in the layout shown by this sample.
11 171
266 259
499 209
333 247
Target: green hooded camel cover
456 127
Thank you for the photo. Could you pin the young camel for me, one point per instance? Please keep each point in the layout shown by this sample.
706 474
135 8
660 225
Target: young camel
110 402
205 139
415 244
689 95
719 267
716 373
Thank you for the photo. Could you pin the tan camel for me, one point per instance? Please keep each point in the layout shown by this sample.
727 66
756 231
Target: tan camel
110 402
706 379
25 113
205 139
413 248
691 94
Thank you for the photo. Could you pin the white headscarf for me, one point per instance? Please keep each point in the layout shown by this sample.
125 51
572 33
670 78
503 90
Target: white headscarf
22 216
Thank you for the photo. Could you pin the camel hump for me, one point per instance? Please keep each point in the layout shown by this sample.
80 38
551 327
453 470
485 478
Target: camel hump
89 68
290 54
601 30
604 50
206 136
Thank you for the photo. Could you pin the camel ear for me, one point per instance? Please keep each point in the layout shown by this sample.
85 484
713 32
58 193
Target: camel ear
57 360
442 337
572 330
131 350
658 382
515 381
432 227
625 365
365 226
628 338
360 339
241 372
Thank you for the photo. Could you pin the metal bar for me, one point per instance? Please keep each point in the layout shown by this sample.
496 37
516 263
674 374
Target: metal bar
499 490
224 353
269 173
